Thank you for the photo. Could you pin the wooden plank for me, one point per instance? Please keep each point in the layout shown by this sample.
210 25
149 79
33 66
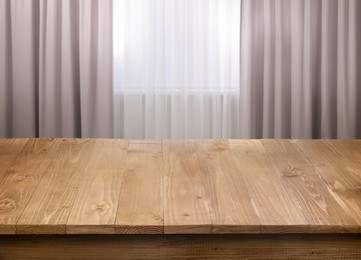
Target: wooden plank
20 180
181 247
95 206
311 193
330 162
9 150
273 203
351 149
338 164
48 209
186 207
231 203
351 196
140 209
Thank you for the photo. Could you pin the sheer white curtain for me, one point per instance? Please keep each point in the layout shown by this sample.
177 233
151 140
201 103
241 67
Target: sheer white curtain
56 68
176 68
177 65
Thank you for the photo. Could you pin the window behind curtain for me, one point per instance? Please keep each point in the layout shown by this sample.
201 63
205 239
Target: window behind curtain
172 46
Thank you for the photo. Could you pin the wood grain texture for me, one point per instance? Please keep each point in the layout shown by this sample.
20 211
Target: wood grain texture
231 203
181 247
273 203
322 211
20 180
338 164
104 186
9 149
186 206
95 207
48 209
350 196
140 209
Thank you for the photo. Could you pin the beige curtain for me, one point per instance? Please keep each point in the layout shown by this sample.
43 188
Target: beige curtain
56 68
300 69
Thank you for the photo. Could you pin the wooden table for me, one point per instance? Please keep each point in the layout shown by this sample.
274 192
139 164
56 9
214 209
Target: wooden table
195 198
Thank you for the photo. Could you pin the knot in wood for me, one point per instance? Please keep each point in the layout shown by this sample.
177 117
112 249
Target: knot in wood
7 204
101 208
292 172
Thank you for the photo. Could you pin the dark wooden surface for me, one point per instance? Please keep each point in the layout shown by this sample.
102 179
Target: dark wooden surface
218 246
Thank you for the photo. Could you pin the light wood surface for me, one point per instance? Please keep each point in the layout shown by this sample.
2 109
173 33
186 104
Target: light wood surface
338 164
186 204
274 204
319 206
232 206
140 209
48 210
9 149
103 186
95 207
20 180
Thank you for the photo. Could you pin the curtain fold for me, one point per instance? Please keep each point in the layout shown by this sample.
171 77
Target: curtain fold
297 69
300 69
56 68
19 79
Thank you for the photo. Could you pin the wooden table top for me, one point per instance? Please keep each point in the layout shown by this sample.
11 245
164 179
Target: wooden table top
105 186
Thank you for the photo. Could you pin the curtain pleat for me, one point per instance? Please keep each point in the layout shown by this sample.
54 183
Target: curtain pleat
21 79
300 70
328 94
5 70
57 68
268 70
348 85
95 48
